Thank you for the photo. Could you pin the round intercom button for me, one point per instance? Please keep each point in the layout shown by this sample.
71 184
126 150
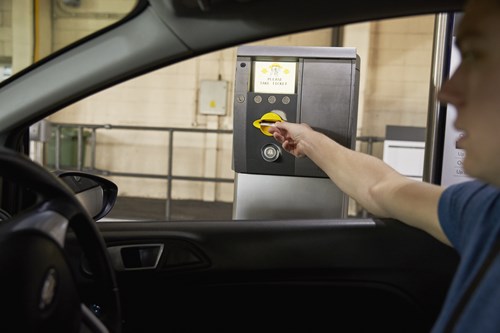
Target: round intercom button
270 153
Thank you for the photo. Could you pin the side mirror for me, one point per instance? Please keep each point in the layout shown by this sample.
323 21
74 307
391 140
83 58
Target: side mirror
96 194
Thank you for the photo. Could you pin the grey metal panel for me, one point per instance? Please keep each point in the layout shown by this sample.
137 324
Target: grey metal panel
298 52
241 87
353 125
405 133
326 86
284 197
327 93
327 97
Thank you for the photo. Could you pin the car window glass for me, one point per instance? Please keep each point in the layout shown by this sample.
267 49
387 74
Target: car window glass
173 160
32 30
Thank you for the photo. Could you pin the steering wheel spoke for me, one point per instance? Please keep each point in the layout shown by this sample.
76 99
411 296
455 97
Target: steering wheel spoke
51 223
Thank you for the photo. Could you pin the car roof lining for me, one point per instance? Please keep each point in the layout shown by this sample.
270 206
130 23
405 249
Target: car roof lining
257 19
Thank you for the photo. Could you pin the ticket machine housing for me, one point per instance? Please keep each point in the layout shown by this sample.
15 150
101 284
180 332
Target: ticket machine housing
314 85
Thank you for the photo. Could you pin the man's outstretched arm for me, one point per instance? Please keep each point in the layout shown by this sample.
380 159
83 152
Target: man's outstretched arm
368 180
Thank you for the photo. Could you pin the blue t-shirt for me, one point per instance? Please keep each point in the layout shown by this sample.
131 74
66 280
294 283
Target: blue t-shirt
469 214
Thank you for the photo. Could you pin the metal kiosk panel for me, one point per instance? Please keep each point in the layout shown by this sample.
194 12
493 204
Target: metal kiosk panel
315 85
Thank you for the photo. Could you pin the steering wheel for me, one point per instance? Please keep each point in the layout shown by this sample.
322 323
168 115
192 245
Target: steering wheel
37 282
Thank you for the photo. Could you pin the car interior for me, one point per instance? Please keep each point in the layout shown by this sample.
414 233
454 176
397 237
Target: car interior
66 266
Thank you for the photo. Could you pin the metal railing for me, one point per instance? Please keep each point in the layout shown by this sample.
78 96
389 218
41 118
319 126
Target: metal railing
370 140
169 176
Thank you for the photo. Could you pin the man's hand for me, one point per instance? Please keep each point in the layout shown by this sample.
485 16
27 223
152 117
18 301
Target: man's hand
291 136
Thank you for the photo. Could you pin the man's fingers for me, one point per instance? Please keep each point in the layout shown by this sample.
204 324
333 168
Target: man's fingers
284 144
277 136
288 146
281 125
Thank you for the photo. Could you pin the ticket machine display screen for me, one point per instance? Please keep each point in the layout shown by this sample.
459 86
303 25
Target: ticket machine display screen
274 77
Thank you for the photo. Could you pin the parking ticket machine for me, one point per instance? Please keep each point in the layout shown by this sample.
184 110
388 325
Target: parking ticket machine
314 85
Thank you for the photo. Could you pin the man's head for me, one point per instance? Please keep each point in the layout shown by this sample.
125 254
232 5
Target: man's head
474 89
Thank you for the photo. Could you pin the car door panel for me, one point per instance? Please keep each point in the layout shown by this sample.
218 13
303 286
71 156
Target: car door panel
356 274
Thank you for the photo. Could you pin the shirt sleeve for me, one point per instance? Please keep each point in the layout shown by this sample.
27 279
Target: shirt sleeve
453 204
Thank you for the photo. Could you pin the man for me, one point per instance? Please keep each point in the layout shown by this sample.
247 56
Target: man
465 216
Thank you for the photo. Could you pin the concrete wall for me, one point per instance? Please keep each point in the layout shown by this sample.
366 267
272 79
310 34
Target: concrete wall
6 29
396 61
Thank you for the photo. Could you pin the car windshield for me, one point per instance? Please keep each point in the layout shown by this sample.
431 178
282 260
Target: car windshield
33 30
166 138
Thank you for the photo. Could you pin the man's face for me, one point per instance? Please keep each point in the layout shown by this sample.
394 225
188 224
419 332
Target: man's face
474 89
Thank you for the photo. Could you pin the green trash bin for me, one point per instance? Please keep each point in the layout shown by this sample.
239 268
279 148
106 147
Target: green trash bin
68 157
